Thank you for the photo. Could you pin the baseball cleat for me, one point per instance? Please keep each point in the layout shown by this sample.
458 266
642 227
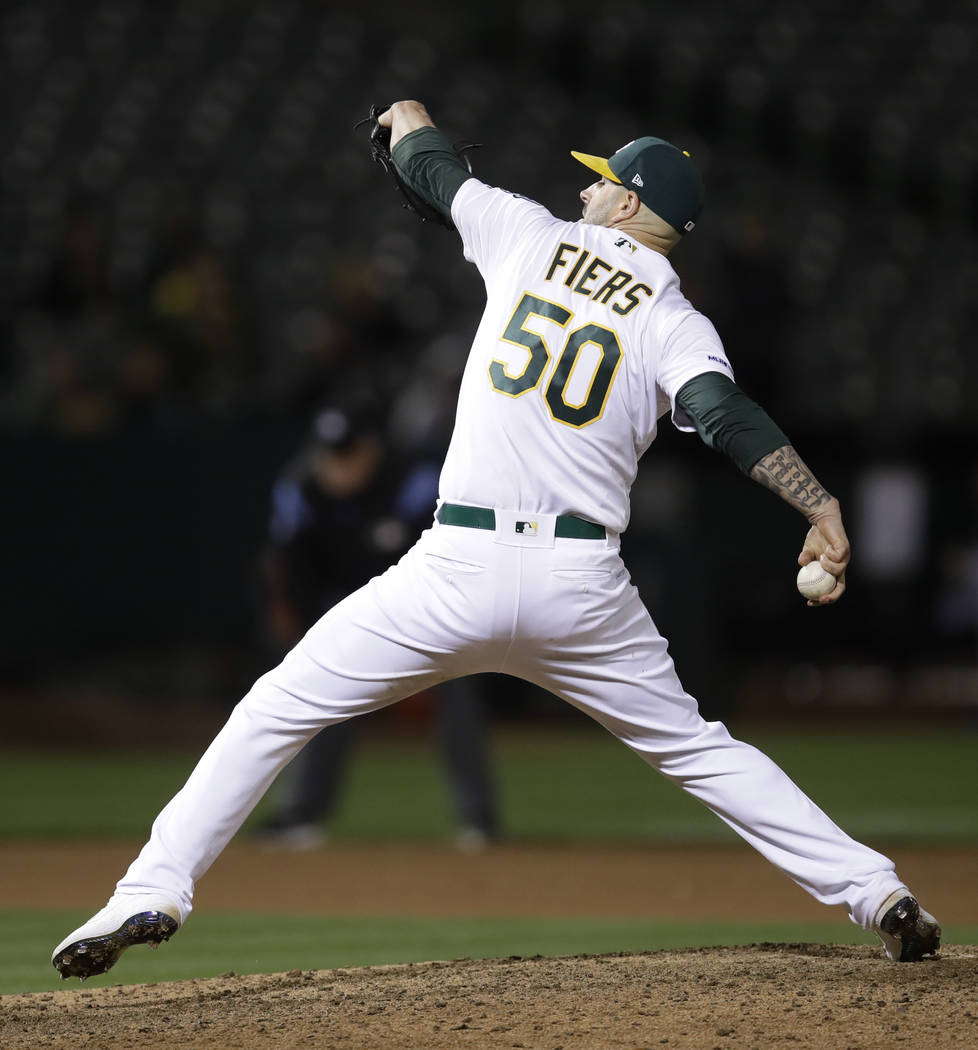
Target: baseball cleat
126 920
908 933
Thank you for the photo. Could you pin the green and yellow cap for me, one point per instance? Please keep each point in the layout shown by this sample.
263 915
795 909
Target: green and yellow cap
664 178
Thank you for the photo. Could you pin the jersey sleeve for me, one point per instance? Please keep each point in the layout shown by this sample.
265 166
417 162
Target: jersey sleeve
689 349
493 223
427 163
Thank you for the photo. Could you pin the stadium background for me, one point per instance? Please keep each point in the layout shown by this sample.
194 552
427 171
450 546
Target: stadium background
195 252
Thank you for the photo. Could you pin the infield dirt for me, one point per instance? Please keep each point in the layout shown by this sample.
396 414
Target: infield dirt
757 996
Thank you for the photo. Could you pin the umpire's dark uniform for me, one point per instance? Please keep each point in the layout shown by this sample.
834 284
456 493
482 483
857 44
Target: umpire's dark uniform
342 513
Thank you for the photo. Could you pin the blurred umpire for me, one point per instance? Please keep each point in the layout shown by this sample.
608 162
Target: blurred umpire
343 511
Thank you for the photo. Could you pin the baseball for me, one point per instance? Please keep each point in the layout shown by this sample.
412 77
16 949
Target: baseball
814 581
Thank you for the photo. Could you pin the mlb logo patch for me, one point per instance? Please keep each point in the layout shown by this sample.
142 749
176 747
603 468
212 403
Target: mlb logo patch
525 528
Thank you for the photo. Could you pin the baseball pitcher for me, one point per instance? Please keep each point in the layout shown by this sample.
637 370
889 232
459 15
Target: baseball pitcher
586 343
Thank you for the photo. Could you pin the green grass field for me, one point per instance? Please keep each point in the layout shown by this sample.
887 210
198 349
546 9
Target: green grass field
559 784
250 943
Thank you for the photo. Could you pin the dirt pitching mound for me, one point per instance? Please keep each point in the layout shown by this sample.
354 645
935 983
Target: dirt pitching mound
763 995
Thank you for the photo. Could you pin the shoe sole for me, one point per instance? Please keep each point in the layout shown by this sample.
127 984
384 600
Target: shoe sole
94 955
917 938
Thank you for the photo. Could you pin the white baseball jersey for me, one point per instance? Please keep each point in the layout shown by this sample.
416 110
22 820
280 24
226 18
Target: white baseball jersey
585 340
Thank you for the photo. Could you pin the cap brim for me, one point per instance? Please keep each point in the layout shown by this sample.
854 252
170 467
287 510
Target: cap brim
598 164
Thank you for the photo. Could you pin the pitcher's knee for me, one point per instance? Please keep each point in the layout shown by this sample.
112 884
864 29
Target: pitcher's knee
670 753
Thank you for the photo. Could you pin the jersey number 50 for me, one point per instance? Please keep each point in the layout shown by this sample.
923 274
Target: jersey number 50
589 402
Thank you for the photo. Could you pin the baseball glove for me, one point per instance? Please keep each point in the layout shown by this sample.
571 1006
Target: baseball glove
380 151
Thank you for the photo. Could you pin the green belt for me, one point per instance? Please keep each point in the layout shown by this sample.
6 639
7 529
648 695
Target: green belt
567 527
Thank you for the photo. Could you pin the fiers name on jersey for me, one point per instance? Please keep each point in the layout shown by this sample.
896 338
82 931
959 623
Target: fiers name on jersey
586 274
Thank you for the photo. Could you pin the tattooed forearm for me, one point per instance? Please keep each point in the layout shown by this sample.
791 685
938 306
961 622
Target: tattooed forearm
784 472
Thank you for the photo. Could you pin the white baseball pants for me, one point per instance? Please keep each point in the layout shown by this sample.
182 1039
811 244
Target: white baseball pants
561 613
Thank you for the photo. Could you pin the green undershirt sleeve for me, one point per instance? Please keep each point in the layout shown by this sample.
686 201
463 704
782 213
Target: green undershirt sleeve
426 161
728 420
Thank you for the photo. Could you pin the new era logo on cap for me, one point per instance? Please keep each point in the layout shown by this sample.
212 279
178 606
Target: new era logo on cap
637 179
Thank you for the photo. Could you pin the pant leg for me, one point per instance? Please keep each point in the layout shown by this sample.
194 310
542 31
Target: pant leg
416 625
314 778
601 651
